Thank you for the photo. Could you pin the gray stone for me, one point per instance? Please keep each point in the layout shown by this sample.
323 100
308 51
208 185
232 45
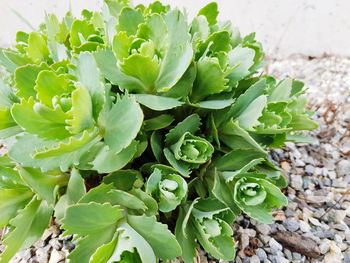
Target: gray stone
263 229
347 257
261 254
275 246
42 254
304 226
296 256
291 224
309 169
324 246
288 254
343 168
57 256
296 182
254 259
56 244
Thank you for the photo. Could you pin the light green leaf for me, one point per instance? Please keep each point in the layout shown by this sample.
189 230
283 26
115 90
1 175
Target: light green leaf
281 91
123 123
242 102
37 47
107 64
159 122
6 120
211 79
89 76
210 11
157 103
108 161
157 235
180 166
135 65
25 79
179 53
249 117
190 124
241 59
25 116
12 200
130 240
49 85
43 185
75 191
129 20
29 225
79 32
81 111
215 104
25 147
88 245
237 159
78 219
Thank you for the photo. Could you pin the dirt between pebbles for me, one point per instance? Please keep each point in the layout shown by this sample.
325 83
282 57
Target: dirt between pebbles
314 227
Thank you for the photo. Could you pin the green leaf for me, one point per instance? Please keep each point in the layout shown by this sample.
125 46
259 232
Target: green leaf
25 147
25 79
79 32
211 79
190 124
157 103
237 138
71 144
237 159
129 20
37 47
241 59
28 227
157 235
249 117
6 120
156 145
43 185
75 191
108 161
180 166
187 240
123 179
12 200
49 85
282 91
210 11
107 64
123 123
134 66
31 121
88 245
242 102
159 122
216 104
89 76
179 53
81 111
130 240
78 219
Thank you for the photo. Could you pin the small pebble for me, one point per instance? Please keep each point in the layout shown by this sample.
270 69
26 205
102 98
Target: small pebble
275 246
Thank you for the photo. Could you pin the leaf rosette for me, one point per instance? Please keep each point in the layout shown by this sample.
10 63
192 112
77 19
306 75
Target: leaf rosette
167 187
141 117
257 197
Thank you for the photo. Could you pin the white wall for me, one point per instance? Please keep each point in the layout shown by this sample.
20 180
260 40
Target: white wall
310 27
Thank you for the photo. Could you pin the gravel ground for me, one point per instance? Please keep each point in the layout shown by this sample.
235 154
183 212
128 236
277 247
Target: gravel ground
315 225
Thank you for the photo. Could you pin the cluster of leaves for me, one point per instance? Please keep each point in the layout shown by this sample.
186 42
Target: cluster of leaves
143 134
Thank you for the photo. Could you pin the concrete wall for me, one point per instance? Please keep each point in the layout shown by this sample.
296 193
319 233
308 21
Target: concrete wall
309 27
